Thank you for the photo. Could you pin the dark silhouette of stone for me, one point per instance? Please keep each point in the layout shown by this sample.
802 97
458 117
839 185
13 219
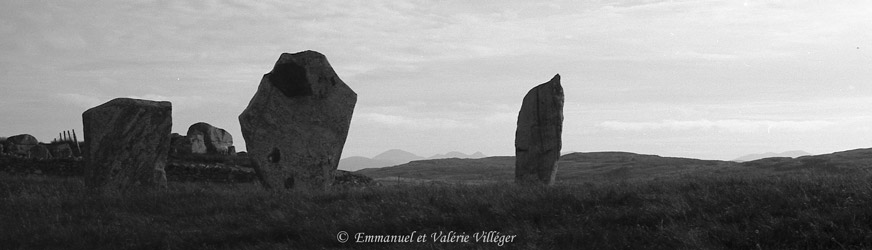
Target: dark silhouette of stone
61 150
215 140
127 143
40 152
296 124
538 137
20 144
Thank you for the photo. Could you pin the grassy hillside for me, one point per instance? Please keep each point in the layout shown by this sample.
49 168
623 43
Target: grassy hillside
857 161
607 200
622 166
573 168
810 212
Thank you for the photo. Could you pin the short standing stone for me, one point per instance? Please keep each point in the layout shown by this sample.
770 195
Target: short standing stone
127 142
538 137
296 124
215 140
20 144
40 152
185 145
61 150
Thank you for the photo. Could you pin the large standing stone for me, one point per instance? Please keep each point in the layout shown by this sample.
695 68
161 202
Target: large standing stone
296 124
20 144
215 140
127 143
538 137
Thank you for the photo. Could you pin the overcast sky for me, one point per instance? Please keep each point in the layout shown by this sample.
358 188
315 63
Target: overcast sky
702 79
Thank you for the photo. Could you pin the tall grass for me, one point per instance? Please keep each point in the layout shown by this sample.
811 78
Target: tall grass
800 212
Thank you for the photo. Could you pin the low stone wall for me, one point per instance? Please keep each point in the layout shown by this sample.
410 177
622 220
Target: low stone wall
55 167
177 170
213 172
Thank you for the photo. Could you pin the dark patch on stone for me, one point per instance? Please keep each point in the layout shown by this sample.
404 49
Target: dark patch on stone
275 156
289 183
291 80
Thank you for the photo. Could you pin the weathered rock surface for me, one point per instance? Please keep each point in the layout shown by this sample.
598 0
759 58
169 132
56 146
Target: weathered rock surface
538 137
215 140
40 152
296 124
20 144
127 142
185 145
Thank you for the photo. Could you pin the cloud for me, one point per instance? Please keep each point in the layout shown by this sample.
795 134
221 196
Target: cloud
413 123
730 125
80 100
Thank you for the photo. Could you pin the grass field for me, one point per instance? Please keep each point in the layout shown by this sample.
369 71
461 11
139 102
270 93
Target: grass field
799 212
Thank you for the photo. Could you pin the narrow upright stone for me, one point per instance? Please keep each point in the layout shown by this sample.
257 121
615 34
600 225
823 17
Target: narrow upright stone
296 124
127 143
538 137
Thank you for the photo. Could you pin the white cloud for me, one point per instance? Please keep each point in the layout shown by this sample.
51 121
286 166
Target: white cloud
730 125
80 100
413 123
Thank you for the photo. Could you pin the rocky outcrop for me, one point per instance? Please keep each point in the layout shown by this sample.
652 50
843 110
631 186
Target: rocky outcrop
296 124
215 140
20 144
538 136
127 142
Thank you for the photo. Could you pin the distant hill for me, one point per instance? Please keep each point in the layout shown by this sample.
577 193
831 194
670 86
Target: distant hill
844 162
622 166
752 157
573 167
397 156
355 163
455 154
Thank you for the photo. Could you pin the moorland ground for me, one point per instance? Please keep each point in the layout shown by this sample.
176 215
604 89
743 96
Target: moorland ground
800 211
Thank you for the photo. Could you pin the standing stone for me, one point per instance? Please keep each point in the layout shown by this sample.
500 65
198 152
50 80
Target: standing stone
215 140
61 150
127 142
296 124
20 144
538 137
40 152
185 145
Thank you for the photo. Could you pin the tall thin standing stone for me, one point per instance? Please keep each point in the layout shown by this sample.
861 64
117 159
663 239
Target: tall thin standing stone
296 124
127 143
538 137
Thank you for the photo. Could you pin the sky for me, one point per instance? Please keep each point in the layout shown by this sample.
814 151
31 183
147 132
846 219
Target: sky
700 79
